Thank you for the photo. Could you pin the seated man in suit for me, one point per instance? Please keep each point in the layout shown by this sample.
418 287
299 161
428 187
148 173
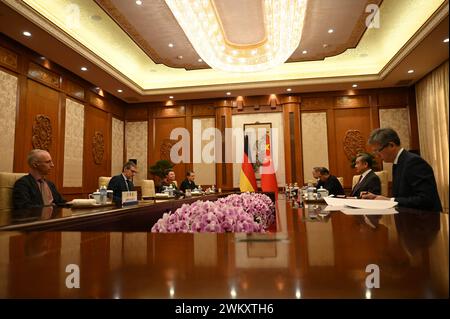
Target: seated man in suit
33 190
168 180
330 182
413 182
368 180
188 183
123 182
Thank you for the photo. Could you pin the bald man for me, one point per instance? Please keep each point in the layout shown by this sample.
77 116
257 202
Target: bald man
34 190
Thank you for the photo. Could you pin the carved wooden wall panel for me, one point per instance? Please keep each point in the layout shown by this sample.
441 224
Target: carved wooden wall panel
38 127
42 132
8 58
41 74
98 147
357 121
354 143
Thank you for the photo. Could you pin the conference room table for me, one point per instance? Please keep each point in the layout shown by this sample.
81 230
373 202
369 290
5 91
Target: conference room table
309 253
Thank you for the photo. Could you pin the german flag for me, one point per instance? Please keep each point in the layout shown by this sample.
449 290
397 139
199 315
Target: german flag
247 179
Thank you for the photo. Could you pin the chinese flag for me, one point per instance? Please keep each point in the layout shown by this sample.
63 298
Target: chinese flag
268 178
247 179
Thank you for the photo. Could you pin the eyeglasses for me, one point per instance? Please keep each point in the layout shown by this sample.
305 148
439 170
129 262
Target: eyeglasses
381 148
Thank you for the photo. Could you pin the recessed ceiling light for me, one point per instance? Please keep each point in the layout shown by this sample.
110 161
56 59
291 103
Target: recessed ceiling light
119 90
228 93
354 85
83 68
200 60
26 33
96 17
445 40
138 2
170 45
411 71
42 57
325 45
289 89
304 51
330 30
171 97
180 57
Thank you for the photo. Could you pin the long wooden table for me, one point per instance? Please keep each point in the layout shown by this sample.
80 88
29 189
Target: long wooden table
140 217
322 257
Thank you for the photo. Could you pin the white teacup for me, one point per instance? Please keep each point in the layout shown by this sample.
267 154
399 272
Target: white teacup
96 196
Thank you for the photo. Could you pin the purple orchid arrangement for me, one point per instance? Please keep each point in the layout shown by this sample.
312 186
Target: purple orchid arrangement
246 212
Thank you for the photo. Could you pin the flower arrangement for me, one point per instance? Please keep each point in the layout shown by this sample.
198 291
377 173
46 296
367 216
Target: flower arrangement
244 212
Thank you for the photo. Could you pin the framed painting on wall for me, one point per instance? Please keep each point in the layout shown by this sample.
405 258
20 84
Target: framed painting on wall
257 143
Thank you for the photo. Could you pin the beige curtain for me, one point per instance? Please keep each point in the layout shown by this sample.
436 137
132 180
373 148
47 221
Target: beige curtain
432 116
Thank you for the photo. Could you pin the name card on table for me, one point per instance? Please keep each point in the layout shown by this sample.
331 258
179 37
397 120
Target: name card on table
129 198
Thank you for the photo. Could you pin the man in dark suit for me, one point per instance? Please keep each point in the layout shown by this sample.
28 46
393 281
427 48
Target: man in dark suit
167 181
33 190
413 182
368 180
123 182
330 182
188 183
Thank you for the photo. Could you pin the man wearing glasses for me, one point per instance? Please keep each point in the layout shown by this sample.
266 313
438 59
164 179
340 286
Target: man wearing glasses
34 190
413 182
123 182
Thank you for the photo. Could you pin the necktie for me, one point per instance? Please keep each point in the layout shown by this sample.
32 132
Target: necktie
360 178
356 185
47 197
130 185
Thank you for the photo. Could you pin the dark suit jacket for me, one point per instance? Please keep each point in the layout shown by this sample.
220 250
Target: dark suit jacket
370 183
413 183
163 183
186 184
117 185
333 186
26 193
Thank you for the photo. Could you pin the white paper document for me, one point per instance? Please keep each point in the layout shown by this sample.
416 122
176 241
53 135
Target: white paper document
364 211
360 203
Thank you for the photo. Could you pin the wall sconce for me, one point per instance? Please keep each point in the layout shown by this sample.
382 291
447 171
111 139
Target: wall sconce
240 103
273 101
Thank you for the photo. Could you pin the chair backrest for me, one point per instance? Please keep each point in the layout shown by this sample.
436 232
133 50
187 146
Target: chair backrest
103 180
341 180
148 188
7 181
383 175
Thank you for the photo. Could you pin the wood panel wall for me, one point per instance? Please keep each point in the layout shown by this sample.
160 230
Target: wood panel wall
43 88
356 110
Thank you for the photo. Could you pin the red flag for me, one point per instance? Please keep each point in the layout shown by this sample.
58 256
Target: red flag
247 180
268 178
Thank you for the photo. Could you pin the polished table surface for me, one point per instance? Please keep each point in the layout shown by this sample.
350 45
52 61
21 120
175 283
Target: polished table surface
139 217
321 257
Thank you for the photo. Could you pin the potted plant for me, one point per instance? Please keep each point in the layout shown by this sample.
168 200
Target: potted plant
160 167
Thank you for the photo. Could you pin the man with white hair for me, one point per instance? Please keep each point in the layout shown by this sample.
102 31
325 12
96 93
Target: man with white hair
34 190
